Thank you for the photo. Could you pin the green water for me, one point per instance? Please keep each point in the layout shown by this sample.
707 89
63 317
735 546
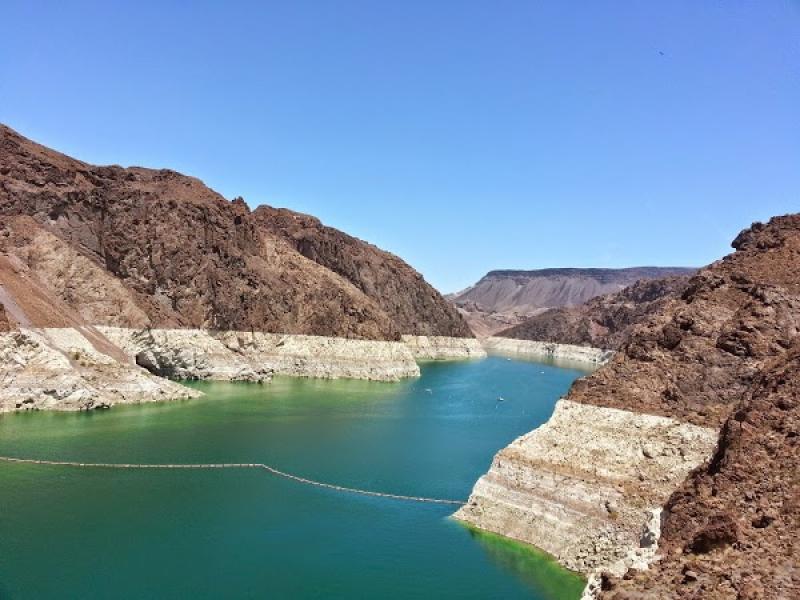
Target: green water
85 533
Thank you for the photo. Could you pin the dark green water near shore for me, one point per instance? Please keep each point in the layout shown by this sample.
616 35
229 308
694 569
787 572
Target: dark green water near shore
79 533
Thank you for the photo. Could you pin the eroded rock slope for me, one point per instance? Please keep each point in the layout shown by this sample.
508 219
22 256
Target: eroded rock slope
183 256
732 530
111 277
684 371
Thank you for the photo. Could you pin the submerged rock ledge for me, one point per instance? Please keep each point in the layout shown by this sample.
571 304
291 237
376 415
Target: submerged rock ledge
548 350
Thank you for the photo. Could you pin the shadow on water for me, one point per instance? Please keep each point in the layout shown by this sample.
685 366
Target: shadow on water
536 569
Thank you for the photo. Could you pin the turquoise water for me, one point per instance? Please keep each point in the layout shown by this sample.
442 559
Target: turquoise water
78 533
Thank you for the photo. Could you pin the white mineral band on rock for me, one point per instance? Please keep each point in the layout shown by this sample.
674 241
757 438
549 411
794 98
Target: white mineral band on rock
432 347
533 349
584 485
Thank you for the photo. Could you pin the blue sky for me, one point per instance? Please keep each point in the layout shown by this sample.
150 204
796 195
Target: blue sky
463 136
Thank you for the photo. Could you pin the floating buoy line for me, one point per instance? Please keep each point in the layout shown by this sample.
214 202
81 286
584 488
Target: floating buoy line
268 468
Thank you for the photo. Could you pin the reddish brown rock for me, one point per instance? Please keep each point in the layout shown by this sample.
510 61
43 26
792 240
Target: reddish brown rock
182 256
695 357
505 298
602 322
412 304
733 529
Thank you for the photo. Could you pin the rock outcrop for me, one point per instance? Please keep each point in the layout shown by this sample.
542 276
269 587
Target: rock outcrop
505 298
731 530
64 369
255 356
684 370
602 322
140 247
410 302
583 485
163 277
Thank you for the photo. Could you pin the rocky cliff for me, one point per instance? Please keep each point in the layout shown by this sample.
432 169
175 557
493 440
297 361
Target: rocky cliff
412 304
604 321
505 298
638 427
142 247
111 277
732 530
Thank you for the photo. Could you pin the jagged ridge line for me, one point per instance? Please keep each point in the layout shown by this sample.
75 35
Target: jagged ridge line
270 469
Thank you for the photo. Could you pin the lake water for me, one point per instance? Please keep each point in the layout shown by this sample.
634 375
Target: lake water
96 533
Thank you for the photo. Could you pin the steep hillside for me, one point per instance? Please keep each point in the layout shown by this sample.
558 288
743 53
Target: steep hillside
504 298
733 528
602 322
412 304
591 484
141 247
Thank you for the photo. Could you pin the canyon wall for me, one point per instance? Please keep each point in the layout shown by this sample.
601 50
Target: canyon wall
401 292
731 530
587 485
84 368
136 247
112 277
240 355
584 485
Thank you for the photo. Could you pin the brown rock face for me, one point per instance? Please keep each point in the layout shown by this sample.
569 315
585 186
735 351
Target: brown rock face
695 357
398 289
505 298
154 247
733 529
603 322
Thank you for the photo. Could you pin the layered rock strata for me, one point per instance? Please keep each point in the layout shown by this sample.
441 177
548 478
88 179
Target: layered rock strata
424 347
547 350
238 355
67 369
585 484
96 367
731 530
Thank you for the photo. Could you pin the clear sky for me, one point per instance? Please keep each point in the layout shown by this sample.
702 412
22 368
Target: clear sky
463 136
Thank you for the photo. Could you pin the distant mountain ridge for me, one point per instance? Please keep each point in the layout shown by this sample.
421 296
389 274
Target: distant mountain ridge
505 297
602 274
604 321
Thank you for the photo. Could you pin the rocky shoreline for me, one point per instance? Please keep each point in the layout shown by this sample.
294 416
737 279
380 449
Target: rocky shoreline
254 356
633 458
427 347
63 369
585 486
548 350
87 367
